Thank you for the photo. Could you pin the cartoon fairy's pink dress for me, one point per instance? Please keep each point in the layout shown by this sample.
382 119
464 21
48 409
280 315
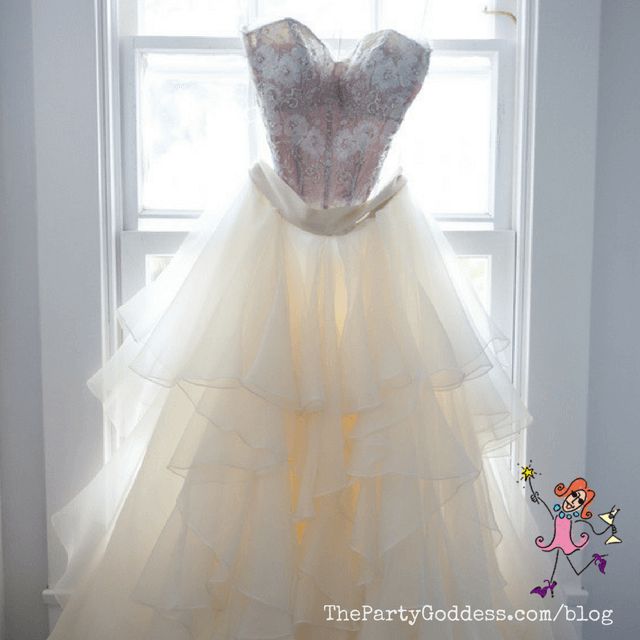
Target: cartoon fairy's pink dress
306 396
562 537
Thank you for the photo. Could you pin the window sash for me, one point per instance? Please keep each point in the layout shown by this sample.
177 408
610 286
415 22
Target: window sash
501 52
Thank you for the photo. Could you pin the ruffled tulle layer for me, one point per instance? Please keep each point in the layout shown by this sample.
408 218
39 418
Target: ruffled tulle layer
306 421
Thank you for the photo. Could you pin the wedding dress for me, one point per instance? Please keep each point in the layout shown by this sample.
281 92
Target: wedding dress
309 397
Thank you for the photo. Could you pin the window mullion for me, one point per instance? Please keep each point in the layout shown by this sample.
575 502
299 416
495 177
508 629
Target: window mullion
503 135
129 124
198 43
185 44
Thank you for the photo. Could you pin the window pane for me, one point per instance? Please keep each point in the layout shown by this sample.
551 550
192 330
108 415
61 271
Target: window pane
478 271
189 17
215 18
326 18
445 141
441 19
192 127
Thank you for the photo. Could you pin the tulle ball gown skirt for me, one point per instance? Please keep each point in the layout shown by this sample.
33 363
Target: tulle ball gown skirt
307 408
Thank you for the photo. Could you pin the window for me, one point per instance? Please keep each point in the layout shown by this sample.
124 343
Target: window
185 95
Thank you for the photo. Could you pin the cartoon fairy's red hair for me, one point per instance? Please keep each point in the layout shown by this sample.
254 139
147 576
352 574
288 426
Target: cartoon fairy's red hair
578 483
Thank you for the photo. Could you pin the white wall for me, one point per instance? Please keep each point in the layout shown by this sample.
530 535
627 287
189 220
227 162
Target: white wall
21 444
50 292
69 248
562 236
614 410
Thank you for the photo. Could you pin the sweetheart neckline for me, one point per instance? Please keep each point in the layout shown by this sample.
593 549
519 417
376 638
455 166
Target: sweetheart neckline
359 41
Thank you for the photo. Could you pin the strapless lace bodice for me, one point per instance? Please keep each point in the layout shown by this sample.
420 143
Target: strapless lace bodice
330 123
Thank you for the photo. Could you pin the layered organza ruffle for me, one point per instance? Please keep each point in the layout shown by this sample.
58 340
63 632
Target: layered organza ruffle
306 420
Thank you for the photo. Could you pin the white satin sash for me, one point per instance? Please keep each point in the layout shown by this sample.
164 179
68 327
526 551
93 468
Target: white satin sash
331 221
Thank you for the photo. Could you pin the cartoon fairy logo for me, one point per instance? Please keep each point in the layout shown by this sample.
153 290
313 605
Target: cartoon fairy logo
570 510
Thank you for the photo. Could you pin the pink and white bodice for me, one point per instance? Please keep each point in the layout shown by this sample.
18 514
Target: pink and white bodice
330 123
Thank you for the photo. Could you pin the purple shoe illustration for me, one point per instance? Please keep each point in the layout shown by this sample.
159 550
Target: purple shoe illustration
600 562
542 591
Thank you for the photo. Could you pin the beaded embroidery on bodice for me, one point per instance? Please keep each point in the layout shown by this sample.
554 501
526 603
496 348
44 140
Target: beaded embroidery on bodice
330 123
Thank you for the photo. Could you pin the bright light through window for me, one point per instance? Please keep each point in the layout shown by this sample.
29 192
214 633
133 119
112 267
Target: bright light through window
188 17
440 19
194 116
446 137
478 271
192 126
